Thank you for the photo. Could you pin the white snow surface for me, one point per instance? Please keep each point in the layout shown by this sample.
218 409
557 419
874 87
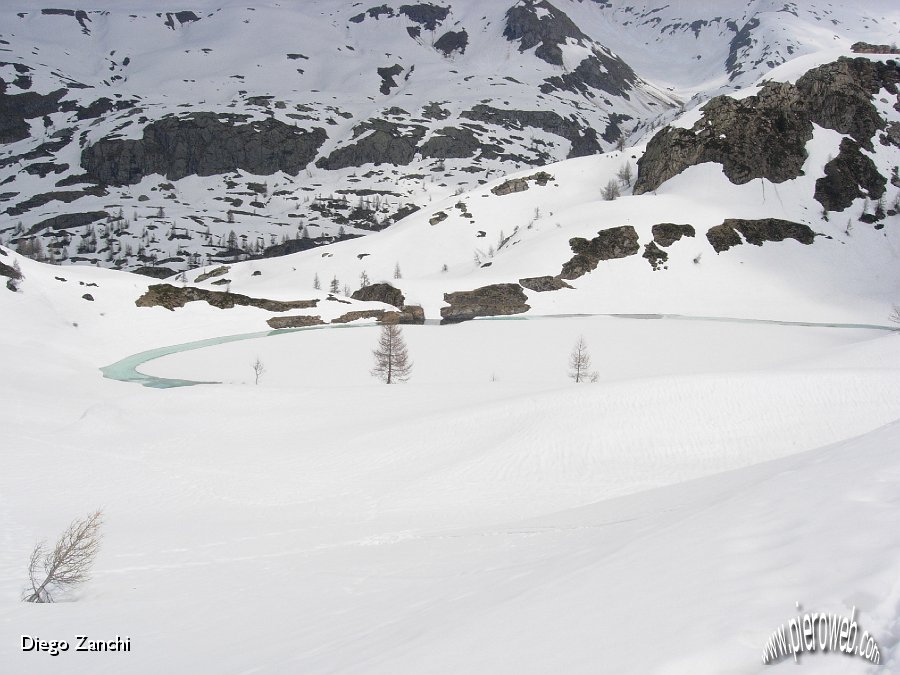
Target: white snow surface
488 516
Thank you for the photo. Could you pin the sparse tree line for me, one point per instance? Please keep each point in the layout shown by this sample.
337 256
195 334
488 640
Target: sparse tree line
393 364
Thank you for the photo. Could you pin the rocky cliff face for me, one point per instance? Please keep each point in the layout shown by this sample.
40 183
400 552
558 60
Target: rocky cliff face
764 136
202 144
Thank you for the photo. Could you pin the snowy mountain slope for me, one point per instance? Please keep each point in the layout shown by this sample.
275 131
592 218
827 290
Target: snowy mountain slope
450 95
364 90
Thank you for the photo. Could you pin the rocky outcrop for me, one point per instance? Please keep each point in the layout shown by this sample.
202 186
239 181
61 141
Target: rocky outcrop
203 144
387 76
409 314
425 13
294 321
65 196
9 272
765 136
724 236
170 297
601 71
514 185
583 138
67 221
387 143
359 314
212 274
453 142
655 256
615 242
452 41
849 176
666 234
541 25
543 284
867 48
16 109
493 300
380 292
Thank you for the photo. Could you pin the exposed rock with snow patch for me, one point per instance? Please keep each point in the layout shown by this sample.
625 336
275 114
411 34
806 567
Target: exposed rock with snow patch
493 300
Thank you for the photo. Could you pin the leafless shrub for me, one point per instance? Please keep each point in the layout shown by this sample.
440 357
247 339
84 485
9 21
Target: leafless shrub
258 369
68 564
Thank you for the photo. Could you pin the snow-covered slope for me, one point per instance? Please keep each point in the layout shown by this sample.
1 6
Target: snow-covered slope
326 119
486 517
734 461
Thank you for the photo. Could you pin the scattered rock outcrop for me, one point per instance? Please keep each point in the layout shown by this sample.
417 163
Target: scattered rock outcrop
848 176
66 221
543 284
15 109
409 314
213 273
380 292
359 314
615 242
203 144
514 185
666 234
583 138
601 71
724 236
452 41
542 25
765 136
867 48
170 297
9 272
655 256
493 300
387 143
294 321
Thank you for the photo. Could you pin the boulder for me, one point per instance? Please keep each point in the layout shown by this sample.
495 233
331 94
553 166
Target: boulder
609 244
493 300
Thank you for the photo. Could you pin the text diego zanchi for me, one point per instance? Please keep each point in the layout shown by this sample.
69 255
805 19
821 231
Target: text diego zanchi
81 643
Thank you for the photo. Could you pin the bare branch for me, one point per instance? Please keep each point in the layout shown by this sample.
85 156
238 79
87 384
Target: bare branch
70 561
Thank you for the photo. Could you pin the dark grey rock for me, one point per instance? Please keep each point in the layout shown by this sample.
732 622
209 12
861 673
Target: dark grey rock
543 284
849 175
381 292
583 138
547 32
388 143
493 300
294 321
66 221
655 255
765 136
204 144
609 244
666 234
452 41
724 236
425 13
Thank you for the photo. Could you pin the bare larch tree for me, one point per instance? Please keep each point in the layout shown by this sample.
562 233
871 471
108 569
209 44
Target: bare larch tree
580 363
68 564
392 362
258 369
